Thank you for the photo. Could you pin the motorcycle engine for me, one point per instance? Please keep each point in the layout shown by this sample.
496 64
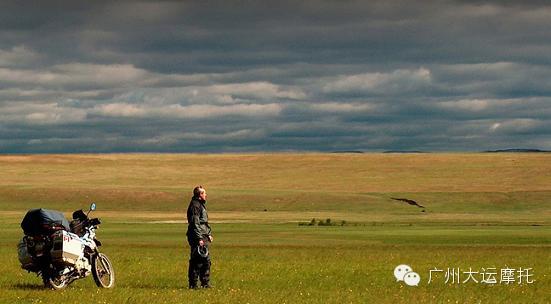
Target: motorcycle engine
82 265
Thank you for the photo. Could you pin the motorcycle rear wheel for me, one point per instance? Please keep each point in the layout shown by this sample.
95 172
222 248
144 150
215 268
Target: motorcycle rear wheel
102 271
55 283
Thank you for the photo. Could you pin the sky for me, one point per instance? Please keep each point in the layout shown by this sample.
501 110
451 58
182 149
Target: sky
274 76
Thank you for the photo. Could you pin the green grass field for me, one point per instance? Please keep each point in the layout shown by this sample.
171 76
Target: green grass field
482 212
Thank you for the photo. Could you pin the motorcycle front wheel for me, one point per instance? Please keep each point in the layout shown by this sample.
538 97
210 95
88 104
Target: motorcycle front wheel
102 271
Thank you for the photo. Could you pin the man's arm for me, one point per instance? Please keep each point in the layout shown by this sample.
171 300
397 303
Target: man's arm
196 224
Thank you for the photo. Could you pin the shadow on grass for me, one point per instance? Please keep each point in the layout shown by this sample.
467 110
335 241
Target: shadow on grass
28 286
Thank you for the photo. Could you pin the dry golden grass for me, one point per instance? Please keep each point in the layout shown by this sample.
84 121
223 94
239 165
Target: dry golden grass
358 173
291 187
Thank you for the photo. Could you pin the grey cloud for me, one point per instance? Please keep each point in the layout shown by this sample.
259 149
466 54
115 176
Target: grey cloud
521 126
187 112
495 79
40 114
250 76
397 82
18 56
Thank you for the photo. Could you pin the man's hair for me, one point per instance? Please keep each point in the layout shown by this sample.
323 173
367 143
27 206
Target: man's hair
198 190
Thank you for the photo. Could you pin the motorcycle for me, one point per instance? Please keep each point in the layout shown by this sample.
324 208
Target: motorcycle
62 252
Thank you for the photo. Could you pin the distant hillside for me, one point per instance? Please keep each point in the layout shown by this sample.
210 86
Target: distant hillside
517 151
406 151
348 151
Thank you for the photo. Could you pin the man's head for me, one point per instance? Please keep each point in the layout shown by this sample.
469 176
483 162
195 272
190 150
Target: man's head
199 192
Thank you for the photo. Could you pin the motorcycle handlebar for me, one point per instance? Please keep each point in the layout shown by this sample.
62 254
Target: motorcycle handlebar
94 221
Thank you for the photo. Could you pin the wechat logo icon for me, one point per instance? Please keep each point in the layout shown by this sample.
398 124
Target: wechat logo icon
407 275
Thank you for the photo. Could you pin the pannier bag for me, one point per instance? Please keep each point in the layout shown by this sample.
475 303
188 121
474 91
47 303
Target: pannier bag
66 248
25 257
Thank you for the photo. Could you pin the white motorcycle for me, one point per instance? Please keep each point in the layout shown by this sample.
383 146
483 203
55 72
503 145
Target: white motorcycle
62 252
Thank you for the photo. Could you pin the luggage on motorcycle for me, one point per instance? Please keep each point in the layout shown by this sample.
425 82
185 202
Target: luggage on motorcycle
25 257
43 221
66 248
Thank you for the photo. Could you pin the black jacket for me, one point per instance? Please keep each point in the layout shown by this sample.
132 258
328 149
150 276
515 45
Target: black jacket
198 221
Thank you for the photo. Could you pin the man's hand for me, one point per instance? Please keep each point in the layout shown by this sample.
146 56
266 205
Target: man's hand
210 238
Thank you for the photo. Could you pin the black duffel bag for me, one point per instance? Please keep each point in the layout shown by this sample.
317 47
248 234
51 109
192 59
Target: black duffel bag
44 221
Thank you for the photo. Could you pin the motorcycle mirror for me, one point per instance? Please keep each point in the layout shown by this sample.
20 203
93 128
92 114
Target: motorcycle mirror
92 206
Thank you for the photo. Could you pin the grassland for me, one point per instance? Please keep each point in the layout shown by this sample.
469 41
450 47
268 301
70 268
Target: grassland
482 211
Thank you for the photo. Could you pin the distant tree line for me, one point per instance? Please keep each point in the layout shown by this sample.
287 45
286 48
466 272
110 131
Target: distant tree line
327 222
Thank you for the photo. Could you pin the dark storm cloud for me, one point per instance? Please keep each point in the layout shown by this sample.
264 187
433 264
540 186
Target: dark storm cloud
106 76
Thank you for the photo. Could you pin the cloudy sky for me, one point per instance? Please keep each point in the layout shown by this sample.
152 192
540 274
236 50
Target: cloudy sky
244 76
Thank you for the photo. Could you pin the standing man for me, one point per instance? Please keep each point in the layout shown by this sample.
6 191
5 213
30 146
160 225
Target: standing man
198 236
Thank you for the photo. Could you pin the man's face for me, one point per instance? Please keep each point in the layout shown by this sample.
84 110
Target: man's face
203 195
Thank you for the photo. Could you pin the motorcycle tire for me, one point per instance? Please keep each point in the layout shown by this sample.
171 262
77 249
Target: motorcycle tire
55 283
102 271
